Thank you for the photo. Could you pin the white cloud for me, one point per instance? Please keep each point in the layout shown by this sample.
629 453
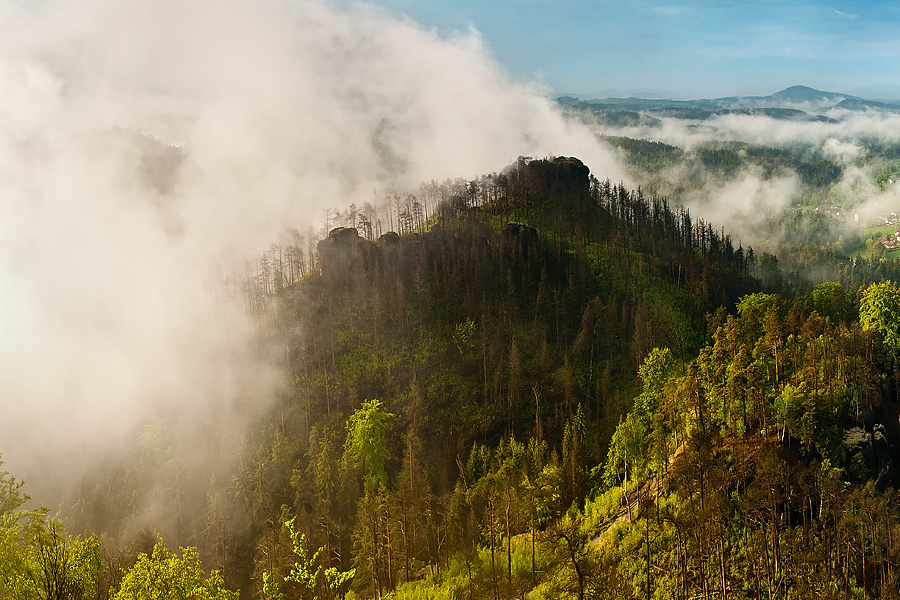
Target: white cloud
279 109
844 152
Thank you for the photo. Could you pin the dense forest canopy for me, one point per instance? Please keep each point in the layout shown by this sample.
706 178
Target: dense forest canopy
533 382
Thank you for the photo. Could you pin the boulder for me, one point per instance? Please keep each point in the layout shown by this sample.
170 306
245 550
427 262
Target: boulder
343 235
339 253
860 454
390 238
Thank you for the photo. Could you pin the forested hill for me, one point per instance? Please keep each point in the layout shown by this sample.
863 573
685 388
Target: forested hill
551 385
519 315
475 401
519 304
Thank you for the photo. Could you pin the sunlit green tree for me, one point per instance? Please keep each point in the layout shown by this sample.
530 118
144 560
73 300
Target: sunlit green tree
37 560
308 575
879 308
163 575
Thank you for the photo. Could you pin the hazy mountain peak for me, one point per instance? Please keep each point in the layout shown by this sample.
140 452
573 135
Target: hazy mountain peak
802 93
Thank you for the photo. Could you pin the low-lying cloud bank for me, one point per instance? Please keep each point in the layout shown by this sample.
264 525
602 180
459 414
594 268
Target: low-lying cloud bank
145 143
747 200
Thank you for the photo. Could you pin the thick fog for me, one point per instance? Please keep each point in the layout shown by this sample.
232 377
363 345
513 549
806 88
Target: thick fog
148 146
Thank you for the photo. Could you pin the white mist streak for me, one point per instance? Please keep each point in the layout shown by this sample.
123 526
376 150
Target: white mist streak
278 111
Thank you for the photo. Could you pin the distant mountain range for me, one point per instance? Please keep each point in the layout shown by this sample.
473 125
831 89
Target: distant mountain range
797 94
807 97
796 103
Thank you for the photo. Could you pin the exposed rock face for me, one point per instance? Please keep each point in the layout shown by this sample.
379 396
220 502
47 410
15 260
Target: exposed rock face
557 188
565 176
860 454
345 257
390 239
344 235
869 456
339 253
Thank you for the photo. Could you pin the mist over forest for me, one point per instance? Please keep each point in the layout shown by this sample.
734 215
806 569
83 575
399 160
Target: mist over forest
303 300
746 163
140 171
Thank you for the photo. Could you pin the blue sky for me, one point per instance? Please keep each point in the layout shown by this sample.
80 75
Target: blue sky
685 49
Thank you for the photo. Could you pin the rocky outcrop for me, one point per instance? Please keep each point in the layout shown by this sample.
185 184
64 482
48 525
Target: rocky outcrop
564 176
860 454
554 189
390 238
339 254
869 456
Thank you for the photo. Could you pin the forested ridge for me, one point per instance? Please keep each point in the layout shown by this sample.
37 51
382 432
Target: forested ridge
548 385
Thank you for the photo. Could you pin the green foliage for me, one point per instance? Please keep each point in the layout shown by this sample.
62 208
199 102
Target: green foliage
795 410
646 155
37 560
654 373
542 481
11 495
725 160
163 575
568 542
307 572
879 309
367 442
753 309
444 589
830 300
463 337
599 510
625 451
